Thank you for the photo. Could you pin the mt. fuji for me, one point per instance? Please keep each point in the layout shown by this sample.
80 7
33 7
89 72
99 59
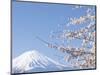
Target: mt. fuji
33 61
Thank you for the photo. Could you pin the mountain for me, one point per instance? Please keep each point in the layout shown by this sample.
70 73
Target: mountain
33 61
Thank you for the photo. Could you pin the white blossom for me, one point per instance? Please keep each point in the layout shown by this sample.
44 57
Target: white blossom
84 56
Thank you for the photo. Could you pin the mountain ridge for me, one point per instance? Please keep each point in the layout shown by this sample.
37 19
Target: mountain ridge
35 61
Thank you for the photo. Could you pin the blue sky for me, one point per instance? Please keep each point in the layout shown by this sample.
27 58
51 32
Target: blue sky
38 19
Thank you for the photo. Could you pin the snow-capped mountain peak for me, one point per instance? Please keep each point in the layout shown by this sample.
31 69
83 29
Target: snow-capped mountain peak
32 60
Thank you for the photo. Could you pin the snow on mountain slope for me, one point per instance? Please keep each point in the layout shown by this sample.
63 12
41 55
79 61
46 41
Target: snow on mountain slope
32 60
